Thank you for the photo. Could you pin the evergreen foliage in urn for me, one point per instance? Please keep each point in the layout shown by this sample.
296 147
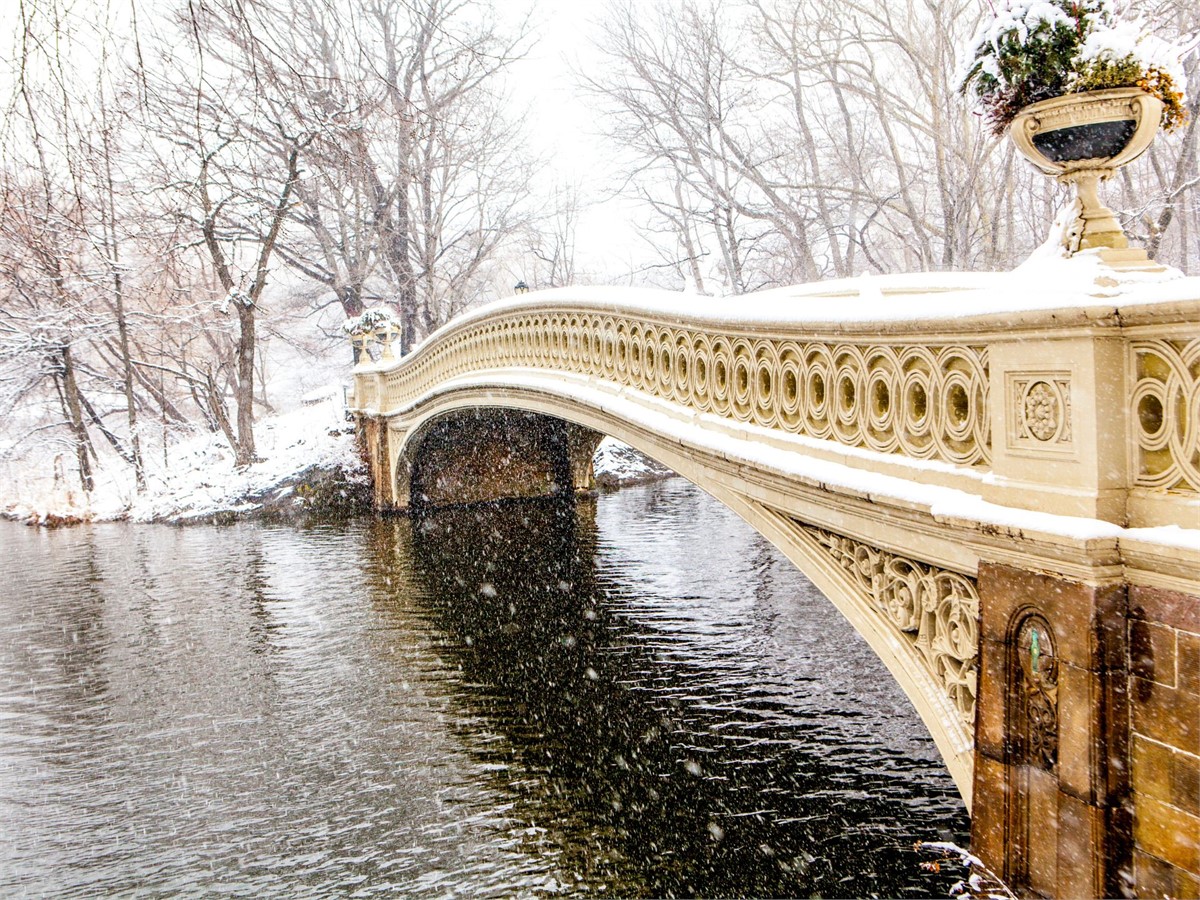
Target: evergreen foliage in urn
371 321
1032 50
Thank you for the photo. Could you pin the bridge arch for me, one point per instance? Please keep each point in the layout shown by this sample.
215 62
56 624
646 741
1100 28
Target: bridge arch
482 453
919 618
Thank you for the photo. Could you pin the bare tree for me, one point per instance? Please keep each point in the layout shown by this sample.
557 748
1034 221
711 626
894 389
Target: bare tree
549 261
415 178
839 132
229 174
677 99
62 229
1159 196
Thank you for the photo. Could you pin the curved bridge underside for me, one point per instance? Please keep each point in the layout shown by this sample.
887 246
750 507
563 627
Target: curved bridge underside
920 618
893 461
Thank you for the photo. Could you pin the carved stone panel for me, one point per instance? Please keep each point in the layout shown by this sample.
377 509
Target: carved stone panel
934 610
1039 412
1166 414
1036 694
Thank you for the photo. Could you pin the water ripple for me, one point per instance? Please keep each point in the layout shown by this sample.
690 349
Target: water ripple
638 697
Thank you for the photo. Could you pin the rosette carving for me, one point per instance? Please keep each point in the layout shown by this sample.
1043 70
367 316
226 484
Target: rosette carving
1041 411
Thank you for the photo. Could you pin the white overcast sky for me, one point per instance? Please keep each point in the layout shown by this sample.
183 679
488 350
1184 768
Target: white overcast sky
564 124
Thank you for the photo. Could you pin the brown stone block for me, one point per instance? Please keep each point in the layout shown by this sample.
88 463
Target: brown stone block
1152 652
1185 782
1092 735
1167 833
1151 764
1169 608
1067 606
990 703
1155 878
1112 613
1165 775
1043 797
1081 832
1118 850
988 811
1168 716
1077 715
1188 662
998 600
1114 736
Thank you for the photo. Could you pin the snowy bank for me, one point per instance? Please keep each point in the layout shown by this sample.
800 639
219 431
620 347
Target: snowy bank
309 464
307 457
618 465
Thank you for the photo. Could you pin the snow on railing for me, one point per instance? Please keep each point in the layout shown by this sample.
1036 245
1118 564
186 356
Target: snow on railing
975 373
927 401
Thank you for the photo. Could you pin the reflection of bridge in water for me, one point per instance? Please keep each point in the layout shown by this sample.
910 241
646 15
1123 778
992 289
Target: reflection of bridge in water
985 487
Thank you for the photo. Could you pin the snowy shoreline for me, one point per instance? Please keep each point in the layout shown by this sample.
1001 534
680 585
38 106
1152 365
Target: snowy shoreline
310 467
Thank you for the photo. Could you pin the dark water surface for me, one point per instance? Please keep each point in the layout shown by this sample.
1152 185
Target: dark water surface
633 697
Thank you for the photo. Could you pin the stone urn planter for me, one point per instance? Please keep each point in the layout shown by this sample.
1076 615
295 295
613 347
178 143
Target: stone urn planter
1082 139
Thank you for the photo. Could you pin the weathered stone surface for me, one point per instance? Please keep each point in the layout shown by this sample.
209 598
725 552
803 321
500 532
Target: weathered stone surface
1155 878
1170 608
1164 635
1152 652
1168 833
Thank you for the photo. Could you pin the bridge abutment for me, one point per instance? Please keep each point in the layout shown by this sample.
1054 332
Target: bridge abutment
1164 741
374 447
1087 766
1051 799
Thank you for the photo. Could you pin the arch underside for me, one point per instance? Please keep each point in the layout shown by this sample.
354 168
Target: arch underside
905 584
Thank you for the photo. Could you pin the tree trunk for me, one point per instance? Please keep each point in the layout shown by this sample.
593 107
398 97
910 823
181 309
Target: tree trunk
69 395
243 388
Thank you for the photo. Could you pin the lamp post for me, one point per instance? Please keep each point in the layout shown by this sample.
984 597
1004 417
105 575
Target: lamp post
521 288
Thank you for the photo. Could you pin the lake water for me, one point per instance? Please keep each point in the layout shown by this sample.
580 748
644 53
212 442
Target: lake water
633 696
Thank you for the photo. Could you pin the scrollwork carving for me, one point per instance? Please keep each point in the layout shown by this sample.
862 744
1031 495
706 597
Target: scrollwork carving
935 611
1166 414
1037 693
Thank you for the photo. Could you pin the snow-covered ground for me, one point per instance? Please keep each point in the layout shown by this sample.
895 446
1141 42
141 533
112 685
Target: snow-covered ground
618 464
199 480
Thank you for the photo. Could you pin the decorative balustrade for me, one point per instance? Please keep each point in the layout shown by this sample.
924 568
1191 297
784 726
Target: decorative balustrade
1166 422
926 401
924 389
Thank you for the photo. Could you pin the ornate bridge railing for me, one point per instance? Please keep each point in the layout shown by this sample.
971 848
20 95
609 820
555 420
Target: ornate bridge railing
1087 409
927 402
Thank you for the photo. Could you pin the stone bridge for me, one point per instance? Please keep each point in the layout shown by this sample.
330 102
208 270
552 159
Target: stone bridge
995 478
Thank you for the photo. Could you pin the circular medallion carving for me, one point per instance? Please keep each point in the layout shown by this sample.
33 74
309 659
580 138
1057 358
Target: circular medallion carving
1042 411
